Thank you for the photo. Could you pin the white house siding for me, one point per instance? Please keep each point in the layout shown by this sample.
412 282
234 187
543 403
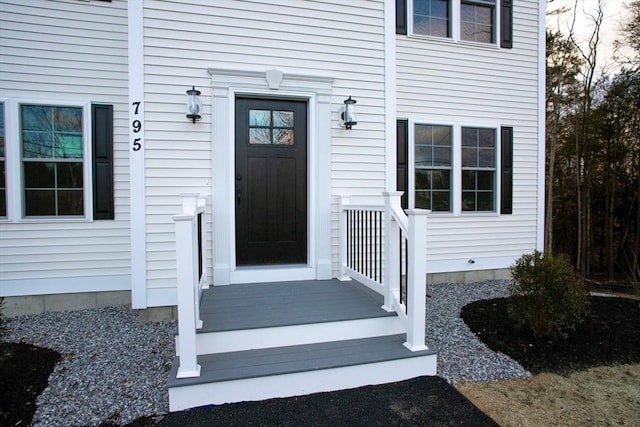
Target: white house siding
336 39
57 51
449 82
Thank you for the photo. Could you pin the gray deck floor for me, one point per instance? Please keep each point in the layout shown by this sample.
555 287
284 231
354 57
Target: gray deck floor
293 359
261 305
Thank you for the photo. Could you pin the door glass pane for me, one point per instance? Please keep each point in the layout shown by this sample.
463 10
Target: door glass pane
259 118
259 136
283 136
283 119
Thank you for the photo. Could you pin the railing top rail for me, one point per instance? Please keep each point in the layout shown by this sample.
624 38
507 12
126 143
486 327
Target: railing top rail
401 218
362 207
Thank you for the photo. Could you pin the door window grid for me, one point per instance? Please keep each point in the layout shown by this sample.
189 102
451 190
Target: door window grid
271 127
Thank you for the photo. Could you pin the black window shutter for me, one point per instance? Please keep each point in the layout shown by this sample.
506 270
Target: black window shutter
102 136
401 17
402 158
506 175
506 24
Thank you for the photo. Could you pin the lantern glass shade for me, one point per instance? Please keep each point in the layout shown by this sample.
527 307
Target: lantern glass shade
349 115
194 104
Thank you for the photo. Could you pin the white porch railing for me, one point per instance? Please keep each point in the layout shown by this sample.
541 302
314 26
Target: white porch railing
192 278
385 249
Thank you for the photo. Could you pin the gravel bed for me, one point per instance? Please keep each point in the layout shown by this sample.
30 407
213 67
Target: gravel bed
115 368
461 355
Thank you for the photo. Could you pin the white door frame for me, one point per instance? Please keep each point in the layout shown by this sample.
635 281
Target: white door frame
316 90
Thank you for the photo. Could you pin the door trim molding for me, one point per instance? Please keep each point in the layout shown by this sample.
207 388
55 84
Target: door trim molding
316 90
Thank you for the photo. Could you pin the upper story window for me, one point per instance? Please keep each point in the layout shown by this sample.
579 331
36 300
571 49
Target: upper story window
52 143
477 20
480 21
432 17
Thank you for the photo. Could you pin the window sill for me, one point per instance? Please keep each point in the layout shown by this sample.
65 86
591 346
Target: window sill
458 42
480 214
53 220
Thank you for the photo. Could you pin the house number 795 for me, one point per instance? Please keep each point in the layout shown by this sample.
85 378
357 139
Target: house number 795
136 125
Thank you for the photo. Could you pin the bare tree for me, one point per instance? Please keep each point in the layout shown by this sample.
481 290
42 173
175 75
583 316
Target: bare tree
589 56
562 67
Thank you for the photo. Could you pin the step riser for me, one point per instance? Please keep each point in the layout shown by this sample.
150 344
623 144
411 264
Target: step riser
224 342
302 383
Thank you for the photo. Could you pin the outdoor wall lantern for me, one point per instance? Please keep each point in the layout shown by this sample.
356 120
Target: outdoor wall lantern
194 104
349 115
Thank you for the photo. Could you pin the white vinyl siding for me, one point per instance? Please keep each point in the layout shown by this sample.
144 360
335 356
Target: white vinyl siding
343 40
445 81
64 53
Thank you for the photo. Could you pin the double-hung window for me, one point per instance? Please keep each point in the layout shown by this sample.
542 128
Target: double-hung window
478 169
432 153
477 20
56 161
52 146
432 17
460 20
456 169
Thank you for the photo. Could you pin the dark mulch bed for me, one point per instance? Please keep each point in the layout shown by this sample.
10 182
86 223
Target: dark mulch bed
24 374
609 335
420 401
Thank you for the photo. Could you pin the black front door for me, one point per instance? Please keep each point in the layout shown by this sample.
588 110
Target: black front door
271 182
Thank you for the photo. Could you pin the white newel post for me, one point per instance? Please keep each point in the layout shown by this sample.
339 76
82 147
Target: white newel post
391 249
344 245
416 279
186 266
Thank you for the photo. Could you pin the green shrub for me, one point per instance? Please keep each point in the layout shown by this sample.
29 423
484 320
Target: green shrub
548 298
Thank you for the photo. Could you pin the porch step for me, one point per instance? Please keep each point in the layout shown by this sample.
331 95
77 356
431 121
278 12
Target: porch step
254 316
297 370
